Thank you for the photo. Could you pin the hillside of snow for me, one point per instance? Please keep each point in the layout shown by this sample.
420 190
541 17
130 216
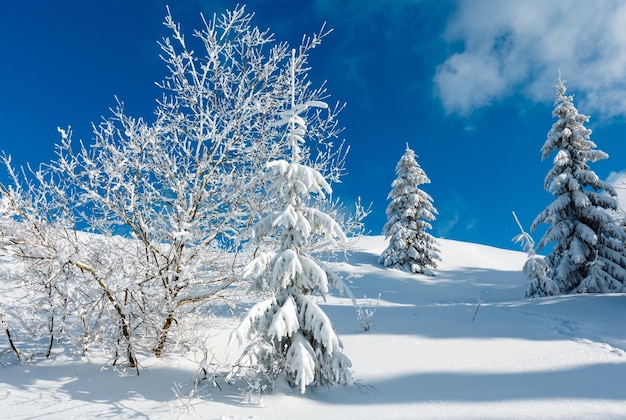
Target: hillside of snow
463 344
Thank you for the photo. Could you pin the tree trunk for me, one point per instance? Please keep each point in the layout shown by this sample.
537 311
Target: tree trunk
158 350
12 344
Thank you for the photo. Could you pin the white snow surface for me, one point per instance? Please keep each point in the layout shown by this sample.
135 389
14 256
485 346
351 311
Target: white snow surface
464 344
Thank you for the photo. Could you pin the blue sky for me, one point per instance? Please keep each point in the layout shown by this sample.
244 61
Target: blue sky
468 84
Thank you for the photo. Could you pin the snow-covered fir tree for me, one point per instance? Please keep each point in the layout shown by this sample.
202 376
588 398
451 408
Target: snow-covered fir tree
588 255
411 247
535 268
290 334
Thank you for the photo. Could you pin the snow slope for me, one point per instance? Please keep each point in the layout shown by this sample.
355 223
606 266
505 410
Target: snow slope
463 344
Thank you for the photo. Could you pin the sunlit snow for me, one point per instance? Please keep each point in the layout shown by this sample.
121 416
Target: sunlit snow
424 357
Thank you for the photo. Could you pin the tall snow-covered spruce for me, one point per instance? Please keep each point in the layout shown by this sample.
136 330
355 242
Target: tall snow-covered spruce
410 248
290 334
588 255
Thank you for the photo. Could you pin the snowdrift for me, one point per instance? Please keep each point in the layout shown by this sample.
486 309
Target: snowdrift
463 344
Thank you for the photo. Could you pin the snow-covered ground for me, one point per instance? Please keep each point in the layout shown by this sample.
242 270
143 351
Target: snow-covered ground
464 344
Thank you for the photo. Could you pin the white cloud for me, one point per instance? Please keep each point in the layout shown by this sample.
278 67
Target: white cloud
519 47
460 219
618 180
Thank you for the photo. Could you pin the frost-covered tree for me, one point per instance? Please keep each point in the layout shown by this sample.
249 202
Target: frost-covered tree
588 254
291 335
42 293
167 196
535 268
411 247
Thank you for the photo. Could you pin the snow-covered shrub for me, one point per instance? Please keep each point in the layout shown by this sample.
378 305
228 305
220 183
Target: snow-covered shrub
589 254
411 247
365 313
535 268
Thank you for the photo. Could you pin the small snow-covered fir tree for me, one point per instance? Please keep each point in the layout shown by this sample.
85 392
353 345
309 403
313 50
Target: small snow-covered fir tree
410 248
588 255
291 335
535 268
